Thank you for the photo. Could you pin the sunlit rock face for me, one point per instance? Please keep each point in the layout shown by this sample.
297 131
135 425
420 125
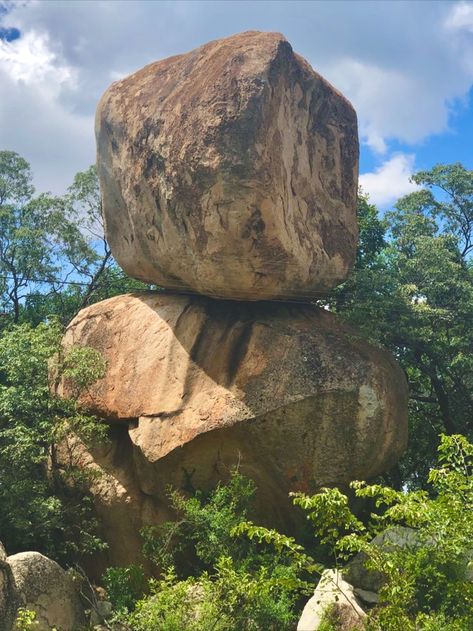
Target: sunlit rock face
230 171
197 386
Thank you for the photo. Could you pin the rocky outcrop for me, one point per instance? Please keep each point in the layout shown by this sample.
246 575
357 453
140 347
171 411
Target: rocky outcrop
199 385
334 603
45 588
230 171
9 598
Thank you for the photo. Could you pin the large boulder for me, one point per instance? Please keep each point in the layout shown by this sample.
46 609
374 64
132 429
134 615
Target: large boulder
9 598
230 171
45 588
194 386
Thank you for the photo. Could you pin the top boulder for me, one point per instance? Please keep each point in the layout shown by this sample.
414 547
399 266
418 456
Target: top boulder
230 171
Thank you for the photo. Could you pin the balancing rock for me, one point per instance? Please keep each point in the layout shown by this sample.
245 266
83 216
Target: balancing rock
230 171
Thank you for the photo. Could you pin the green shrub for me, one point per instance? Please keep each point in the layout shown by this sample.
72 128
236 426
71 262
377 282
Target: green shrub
226 600
202 531
125 586
426 584
25 619
216 579
44 504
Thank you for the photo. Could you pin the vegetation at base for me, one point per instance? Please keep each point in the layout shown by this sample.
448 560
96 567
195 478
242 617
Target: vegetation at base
426 580
125 586
214 580
25 619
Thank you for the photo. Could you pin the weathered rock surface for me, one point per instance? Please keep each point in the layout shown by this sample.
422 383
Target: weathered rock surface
196 385
8 594
47 589
230 171
334 600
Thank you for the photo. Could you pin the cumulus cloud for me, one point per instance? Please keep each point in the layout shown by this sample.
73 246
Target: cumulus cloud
404 81
461 17
390 181
31 61
33 120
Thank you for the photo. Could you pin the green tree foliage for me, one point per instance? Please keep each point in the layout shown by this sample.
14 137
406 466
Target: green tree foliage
43 502
226 599
201 531
412 292
28 227
54 258
125 586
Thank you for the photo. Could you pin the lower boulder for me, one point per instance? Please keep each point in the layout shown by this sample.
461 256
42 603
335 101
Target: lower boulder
48 590
195 386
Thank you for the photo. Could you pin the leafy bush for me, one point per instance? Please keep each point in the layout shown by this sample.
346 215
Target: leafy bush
216 580
44 504
125 586
202 530
225 600
426 584
25 619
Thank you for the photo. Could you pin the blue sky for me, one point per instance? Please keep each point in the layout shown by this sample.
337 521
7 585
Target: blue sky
406 66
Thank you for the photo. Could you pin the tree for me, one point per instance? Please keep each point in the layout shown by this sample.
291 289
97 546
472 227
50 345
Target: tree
28 227
412 292
44 505
425 575
54 257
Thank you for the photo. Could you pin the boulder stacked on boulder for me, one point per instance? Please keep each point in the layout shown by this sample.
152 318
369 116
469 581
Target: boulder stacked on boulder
230 172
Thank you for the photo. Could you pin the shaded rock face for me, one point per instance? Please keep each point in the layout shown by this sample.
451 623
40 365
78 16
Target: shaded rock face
195 386
230 171
44 587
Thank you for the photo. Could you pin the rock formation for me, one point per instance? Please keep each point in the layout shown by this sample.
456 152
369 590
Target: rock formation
230 171
285 389
334 602
48 590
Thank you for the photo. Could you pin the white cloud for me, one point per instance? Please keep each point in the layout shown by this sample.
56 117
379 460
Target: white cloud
390 181
30 59
390 102
461 17
33 120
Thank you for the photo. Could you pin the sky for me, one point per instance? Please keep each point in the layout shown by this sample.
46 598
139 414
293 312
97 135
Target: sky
407 67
